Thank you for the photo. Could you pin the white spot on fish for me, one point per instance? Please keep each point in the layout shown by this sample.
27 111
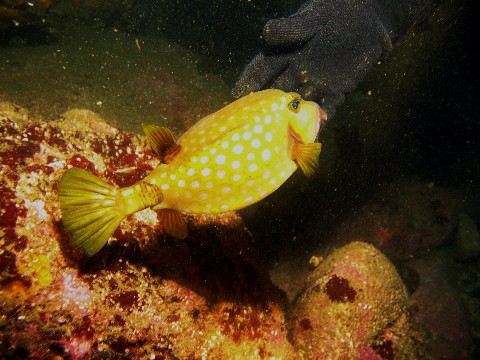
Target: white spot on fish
274 107
204 159
181 183
203 196
195 184
236 137
258 129
252 167
268 136
250 156
256 143
220 159
225 144
209 185
236 164
266 155
268 119
173 176
237 149
191 172
164 186
127 192
236 177
206 172
247 135
221 174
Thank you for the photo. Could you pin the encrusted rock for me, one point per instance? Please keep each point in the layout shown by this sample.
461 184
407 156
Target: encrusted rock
354 306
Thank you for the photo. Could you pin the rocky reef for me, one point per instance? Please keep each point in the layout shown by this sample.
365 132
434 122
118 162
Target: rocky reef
148 295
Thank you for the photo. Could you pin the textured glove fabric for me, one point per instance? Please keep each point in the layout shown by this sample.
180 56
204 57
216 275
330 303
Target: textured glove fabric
326 48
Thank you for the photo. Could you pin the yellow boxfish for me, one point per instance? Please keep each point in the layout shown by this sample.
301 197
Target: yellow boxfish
226 161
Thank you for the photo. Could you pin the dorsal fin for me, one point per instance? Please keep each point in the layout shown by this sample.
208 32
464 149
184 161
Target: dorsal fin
306 156
162 142
173 222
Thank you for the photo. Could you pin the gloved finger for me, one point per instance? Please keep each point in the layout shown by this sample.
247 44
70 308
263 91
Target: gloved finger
259 73
289 80
295 29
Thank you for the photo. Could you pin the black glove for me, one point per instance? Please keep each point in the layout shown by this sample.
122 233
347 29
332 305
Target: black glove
326 48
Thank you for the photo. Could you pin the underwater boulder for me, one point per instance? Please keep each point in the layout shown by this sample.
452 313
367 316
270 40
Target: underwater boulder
439 307
354 305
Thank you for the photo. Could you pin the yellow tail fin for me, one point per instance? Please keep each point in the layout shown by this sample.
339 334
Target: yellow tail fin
92 209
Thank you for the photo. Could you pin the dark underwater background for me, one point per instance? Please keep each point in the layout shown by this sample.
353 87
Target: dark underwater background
413 123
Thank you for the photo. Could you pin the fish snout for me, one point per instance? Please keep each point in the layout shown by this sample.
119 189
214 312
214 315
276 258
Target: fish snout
322 117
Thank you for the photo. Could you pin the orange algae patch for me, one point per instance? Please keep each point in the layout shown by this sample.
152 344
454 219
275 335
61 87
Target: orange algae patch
384 234
38 269
16 289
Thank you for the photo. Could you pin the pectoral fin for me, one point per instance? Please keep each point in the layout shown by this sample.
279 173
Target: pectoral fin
306 156
162 142
173 222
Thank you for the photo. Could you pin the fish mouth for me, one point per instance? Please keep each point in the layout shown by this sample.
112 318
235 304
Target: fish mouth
321 117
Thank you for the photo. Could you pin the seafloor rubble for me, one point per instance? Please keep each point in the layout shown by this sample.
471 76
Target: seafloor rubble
147 295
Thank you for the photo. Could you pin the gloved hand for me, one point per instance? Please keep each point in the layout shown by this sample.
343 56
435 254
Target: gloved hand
325 49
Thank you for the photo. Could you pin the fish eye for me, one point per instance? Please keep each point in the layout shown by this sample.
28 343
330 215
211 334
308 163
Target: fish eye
294 105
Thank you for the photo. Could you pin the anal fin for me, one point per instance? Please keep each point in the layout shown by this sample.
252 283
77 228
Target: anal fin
173 222
306 156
